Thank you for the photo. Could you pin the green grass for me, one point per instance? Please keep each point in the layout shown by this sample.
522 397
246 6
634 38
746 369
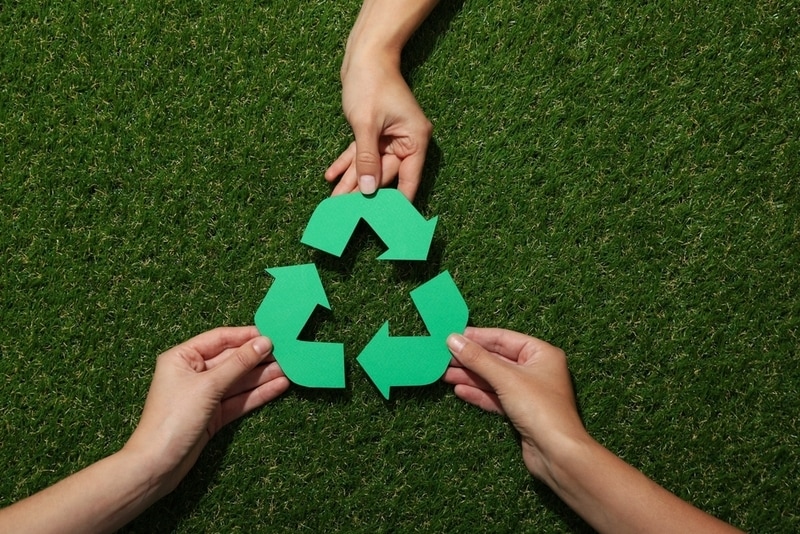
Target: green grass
620 179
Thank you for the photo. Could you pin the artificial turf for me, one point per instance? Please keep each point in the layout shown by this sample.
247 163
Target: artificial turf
619 178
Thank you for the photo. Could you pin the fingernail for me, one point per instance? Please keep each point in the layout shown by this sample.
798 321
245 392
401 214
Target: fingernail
367 184
456 342
262 345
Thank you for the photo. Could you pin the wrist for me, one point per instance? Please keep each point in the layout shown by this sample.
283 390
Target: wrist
363 56
381 31
555 462
154 469
578 471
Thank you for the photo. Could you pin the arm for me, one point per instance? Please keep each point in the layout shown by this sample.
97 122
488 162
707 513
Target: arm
391 131
198 387
527 380
100 498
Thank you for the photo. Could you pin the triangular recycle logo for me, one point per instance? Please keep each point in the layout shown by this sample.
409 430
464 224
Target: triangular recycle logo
297 291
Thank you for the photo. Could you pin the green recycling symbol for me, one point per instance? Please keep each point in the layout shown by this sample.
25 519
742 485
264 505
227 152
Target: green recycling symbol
297 291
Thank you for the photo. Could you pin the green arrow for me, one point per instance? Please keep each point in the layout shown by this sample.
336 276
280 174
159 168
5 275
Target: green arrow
285 310
397 222
418 361
403 361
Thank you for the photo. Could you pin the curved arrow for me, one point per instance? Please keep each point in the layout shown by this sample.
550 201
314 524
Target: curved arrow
418 361
403 361
397 222
285 310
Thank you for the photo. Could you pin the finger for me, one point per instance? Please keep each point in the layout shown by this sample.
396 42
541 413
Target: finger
264 372
480 398
410 173
238 405
459 375
474 357
368 157
212 343
506 343
348 182
390 165
240 362
341 164
224 355
255 378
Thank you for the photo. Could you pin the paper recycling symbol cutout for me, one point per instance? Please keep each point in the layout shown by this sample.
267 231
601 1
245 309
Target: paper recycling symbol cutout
297 291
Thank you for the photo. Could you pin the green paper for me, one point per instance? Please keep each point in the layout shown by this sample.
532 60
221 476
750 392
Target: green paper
285 310
441 305
297 291
397 222
418 361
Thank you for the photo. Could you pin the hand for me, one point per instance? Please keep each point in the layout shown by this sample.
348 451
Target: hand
527 379
199 386
523 378
391 131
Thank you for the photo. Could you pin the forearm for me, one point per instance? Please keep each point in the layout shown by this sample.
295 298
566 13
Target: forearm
383 27
100 498
612 496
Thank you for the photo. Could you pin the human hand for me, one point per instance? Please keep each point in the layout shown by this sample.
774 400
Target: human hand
198 387
525 379
391 131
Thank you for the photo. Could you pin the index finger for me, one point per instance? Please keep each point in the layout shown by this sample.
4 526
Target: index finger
410 173
212 343
506 343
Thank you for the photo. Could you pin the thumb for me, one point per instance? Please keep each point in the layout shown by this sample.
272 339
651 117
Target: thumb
368 159
241 361
478 360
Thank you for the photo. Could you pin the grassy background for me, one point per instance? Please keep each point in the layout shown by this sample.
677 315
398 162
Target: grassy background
620 178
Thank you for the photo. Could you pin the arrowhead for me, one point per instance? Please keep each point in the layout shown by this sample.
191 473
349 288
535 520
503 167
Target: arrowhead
416 242
376 360
304 281
403 361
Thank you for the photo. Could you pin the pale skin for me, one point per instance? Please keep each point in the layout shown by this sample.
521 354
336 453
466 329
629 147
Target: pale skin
199 386
527 380
216 377
391 131
498 370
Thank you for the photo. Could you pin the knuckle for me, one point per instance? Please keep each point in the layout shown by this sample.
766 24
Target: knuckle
367 158
244 357
363 119
427 128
